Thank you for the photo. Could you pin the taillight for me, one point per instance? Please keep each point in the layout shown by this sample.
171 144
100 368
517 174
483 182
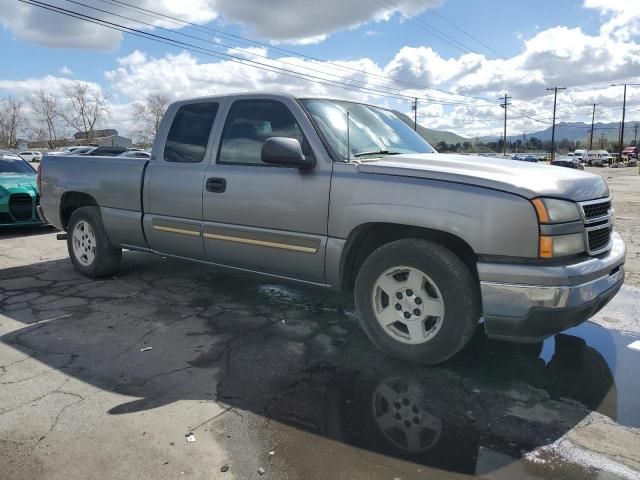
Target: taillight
39 179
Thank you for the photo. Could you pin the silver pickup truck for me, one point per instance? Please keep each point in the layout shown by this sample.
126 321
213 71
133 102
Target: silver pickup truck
346 195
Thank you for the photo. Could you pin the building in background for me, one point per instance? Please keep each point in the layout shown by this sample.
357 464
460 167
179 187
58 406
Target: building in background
103 138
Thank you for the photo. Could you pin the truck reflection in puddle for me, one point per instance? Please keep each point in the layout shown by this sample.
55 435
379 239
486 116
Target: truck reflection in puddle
481 411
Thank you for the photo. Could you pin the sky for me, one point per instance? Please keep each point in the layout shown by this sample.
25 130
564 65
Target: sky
456 56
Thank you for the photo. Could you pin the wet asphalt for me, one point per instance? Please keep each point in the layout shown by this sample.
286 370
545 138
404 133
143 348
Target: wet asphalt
280 377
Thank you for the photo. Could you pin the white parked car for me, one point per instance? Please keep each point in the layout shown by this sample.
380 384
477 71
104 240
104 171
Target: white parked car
66 150
597 158
136 154
579 154
30 156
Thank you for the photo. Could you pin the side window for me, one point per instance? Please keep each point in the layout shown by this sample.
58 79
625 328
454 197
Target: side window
249 124
189 132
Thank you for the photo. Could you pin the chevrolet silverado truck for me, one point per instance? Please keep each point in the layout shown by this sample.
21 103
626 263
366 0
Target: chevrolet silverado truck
346 195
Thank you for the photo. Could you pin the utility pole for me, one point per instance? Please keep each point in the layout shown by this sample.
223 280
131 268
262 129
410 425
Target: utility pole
553 128
524 142
504 137
624 107
593 116
414 107
635 134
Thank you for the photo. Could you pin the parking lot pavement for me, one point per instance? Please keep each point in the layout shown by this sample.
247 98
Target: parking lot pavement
106 379
624 184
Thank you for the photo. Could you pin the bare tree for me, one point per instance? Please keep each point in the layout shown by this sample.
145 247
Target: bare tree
85 108
12 121
46 109
148 116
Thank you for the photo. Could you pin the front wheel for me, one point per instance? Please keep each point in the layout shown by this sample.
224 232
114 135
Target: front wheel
417 301
89 248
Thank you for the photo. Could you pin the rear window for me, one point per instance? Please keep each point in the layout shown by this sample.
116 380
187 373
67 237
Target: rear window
189 132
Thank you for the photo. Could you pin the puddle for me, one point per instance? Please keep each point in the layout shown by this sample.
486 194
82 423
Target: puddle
623 363
479 414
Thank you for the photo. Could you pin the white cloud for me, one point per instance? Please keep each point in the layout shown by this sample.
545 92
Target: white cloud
65 70
280 21
624 22
50 84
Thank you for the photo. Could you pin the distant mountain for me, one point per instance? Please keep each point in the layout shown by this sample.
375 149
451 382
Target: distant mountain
570 130
432 136
579 131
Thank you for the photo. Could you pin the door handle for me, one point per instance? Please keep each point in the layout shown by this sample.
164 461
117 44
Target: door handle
216 185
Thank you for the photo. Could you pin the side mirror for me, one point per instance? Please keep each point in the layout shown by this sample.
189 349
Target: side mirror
285 151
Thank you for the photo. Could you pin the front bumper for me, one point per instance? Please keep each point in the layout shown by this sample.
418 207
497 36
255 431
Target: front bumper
533 302
7 219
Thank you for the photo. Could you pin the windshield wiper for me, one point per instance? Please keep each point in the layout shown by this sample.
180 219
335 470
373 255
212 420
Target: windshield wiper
376 152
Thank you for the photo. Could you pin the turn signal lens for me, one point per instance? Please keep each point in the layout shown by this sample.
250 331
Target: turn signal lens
546 247
541 210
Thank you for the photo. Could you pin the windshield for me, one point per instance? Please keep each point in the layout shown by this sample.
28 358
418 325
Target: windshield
15 165
373 131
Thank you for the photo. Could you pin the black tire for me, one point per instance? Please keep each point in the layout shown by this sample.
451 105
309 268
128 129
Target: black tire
458 288
107 256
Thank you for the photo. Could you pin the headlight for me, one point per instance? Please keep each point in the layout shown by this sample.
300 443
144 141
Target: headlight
551 210
561 245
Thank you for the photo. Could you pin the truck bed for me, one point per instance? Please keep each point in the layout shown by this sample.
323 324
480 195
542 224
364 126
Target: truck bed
114 182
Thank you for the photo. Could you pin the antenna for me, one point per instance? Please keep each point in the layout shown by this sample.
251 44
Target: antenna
348 140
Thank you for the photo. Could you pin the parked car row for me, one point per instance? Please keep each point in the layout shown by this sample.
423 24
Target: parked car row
90 150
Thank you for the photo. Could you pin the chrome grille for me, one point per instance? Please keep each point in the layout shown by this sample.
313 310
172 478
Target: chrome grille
599 239
595 210
598 225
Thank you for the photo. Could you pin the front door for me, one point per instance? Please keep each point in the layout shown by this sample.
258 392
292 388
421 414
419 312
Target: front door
173 202
259 216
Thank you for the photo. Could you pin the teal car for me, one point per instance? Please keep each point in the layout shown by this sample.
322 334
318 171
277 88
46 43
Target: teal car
18 192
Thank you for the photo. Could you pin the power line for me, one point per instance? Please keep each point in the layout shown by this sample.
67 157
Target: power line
464 32
393 90
426 27
241 39
204 51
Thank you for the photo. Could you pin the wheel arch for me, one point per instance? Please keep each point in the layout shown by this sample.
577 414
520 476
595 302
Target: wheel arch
366 238
70 202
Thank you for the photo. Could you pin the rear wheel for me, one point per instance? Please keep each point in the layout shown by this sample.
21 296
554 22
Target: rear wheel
417 301
89 248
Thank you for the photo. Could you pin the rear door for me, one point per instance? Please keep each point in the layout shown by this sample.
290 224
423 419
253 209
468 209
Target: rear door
174 181
264 217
